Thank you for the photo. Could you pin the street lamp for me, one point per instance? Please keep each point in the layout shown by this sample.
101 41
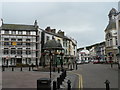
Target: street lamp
61 60
52 46
50 54
119 57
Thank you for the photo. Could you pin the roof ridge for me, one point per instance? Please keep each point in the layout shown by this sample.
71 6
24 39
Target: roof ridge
18 24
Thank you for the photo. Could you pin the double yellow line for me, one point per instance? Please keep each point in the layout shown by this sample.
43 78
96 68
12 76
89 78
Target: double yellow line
80 82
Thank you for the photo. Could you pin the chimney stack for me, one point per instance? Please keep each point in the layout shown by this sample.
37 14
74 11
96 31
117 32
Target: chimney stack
35 24
61 33
1 22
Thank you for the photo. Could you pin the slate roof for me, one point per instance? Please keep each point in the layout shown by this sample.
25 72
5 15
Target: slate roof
111 25
52 45
113 11
18 27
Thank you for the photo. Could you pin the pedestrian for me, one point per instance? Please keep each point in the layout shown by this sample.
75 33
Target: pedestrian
111 65
118 64
32 66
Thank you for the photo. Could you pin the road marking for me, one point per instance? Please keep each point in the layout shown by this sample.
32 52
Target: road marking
80 83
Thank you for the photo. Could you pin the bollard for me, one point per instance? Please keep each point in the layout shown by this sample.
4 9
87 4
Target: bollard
69 85
58 70
29 68
62 76
53 69
12 69
60 79
107 85
54 85
3 69
71 67
65 73
32 67
62 69
58 83
111 65
21 69
76 66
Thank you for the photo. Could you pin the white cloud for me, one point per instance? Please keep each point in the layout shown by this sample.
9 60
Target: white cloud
59 0
85 22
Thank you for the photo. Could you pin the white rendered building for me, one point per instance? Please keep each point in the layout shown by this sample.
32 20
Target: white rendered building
84 55
20 44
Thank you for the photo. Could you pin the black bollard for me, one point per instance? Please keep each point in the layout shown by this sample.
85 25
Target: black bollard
65 73
61 79
54 85
76 66
111 65
118 66
12 68
71 67
58 83
69 85
21 69
3 69
62 76
107 85
29 68
58 70
53 69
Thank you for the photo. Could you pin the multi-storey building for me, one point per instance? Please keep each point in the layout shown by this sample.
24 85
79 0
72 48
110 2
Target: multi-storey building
92 53
95 51
84 55
118 34
20 44
69 45
100 51
111 37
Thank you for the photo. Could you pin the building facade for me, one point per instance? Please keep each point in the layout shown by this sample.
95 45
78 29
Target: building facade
84 55
93 52
20 44
118 34
69 45
111 39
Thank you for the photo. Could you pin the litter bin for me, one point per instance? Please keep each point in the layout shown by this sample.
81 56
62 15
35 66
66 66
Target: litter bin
43 83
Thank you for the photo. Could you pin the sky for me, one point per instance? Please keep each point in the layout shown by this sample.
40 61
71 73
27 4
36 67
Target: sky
83 21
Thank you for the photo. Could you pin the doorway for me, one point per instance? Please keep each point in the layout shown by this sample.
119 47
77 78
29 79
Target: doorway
19 60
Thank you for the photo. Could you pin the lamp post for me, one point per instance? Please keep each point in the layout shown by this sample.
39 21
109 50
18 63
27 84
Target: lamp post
119 58
50 54
61 61
52 46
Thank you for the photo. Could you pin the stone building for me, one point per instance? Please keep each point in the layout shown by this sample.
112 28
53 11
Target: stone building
68 44
111 39
118 34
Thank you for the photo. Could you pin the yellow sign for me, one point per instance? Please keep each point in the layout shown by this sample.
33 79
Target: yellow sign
14 43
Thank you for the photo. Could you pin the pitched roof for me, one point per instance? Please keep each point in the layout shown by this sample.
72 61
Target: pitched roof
111 25
18 27
52 45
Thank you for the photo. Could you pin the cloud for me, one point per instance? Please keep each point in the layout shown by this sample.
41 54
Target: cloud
84 21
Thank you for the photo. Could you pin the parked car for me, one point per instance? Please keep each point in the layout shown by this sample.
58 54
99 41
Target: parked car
96 61
79 62
102 61
86 61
